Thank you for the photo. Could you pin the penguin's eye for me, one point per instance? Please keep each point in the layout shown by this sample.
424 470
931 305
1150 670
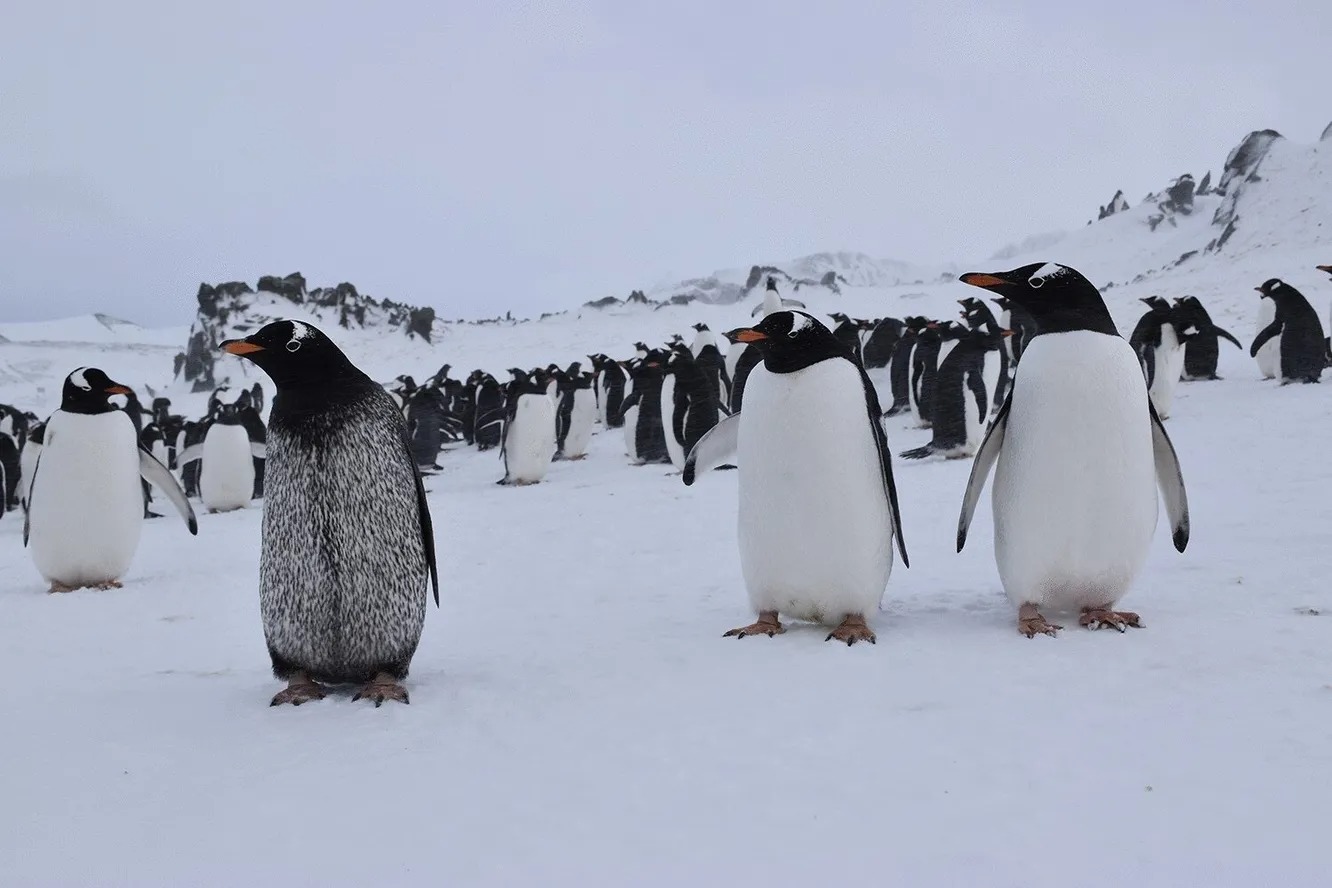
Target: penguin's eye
1036 283
793 334
86 387
293 345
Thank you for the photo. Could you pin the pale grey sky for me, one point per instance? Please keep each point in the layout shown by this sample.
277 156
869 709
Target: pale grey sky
483 156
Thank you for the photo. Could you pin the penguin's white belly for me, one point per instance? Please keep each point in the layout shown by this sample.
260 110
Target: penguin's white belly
631 432
674 448
603 392
530 442
1075 486
1169 368
226 476
1269 356
580 423
882 380
990 376
86 509
814 526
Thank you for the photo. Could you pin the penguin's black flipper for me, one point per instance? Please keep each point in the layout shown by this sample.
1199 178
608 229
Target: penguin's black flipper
1171 481
1260 340
160 477
714 449
980 468
1223 334
885 455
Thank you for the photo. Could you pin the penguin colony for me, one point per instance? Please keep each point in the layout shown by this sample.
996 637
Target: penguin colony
347 568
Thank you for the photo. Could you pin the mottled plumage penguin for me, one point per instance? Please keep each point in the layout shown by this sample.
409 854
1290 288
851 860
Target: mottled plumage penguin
818 508
1303 351
85 500
1080 452
348 548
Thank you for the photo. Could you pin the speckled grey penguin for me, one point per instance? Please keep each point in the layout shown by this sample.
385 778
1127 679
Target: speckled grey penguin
347 538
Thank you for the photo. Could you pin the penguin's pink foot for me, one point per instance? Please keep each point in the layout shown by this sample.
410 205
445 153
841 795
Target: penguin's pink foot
767 624
109 584
1031 623
851 630
300 689
1103 618
382 687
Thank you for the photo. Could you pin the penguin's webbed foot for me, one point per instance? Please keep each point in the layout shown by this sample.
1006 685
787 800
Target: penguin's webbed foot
57 588
1031 623
851 630
382 687
767 624
109 584
300 689
1104 618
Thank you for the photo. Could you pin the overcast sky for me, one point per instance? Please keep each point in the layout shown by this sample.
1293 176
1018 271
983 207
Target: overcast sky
483 156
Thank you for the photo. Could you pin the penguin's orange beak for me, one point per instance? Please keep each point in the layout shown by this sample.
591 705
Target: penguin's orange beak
240 347
1005 332
983 280
117 389
746 334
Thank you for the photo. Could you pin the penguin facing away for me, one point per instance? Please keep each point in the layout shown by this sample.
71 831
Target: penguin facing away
818 507
1158 340
348 547
1203 336
1078 451
1303 350
961 400
85 499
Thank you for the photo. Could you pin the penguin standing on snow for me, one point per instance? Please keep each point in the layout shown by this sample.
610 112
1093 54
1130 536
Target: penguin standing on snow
1080 451
961 402
924 363
899 368
610 381
1327 341
979 317
1268 355
1158 341
576 413
226 460
1303 351
877 355
1202 339
645 435
348 549
488 429
711 363
85 500
818 508
529 430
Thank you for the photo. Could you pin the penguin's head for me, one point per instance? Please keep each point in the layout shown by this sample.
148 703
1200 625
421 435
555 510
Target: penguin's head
790 341
772 284
88 390
1058 297
1156 304
700 327
1271 288
292 353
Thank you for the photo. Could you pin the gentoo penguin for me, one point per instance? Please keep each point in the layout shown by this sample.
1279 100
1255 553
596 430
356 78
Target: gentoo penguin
696 405
645 436
578 412
1158 341
348 548
610 379
488 430
226 461
818 507
979 317
960 399
10 462
529 431
673 407
1201 346
847 332
924 361
773 300
1268 355
877 355
899 368
1080 451
85 502
1019 320
741 360
1303 351
710 361
426 415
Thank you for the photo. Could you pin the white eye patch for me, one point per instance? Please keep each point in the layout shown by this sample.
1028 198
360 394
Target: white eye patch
80 380
799 321
1044 273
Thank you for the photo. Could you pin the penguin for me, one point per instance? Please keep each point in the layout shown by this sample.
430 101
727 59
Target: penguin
979 317
847 332
1327 340
1078 451
1268 355
32 450
611 380
348 547
488 430
710 361
579 401
529 431
961 401
773 300
818 511
877 355
899 368
924 362
1202 338
1303 351
696 406
1158 340
85 502
426 411
10 471
645 436
674 406
226 460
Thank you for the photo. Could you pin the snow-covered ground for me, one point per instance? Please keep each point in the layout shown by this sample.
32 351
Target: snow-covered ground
577 718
